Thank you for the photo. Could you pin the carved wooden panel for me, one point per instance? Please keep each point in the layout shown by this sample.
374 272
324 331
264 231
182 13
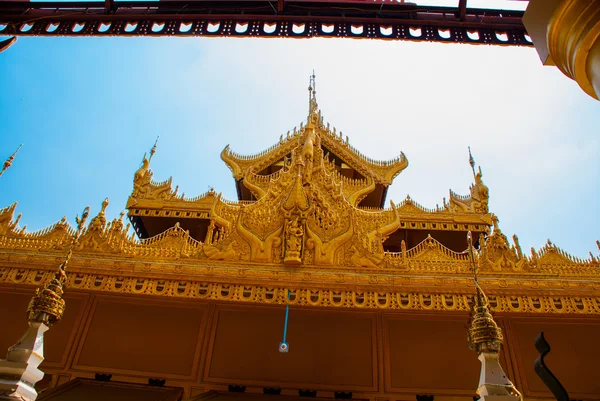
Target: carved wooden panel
143 335
13 304
328 349
429 354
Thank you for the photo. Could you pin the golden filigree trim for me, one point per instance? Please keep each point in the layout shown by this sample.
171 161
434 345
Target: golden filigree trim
305 295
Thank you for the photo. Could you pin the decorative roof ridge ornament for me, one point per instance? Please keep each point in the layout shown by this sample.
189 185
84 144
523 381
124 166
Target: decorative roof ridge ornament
476 175
142 178
145 164
20 370
153 150
313 107
485 337
479 194
471 161
8 162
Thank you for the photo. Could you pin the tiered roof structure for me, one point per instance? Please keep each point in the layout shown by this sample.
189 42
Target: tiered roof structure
314 196
309 229
336 194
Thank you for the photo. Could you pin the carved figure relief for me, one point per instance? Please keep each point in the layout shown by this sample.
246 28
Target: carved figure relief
294 236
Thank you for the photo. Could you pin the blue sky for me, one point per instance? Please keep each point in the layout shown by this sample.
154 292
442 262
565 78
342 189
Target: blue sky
86 110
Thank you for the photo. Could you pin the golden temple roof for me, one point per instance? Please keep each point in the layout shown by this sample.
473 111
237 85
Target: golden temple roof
331 193
307 211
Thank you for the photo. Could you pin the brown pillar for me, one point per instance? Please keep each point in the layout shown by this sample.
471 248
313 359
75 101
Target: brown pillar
566 33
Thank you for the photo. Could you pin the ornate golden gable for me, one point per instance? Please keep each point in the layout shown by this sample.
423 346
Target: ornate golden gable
302 201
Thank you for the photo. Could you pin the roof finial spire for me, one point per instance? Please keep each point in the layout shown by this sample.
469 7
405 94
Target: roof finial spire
472 162
9 161
153 150
312 95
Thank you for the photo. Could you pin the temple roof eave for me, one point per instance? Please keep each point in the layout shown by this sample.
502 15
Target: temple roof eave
239 164
383 171
232 162
445 282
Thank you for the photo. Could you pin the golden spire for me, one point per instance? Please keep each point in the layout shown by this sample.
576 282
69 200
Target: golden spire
47 305
484 334
471 161
312 95
9 161
153 150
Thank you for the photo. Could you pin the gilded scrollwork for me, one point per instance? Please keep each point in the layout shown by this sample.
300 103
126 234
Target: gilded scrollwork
497 254
313 296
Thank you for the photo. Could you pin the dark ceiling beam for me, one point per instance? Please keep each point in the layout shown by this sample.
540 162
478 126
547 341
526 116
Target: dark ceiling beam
299 19
110 6
462 9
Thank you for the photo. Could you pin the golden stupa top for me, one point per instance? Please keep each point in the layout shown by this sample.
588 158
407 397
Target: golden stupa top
47 305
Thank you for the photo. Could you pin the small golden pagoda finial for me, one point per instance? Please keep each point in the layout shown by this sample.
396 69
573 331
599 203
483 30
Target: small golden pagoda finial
98 222
484 333
20 370
47 305
8 162
312 95
485 337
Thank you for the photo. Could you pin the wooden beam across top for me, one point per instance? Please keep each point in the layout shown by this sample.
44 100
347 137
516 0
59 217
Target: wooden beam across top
377 19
